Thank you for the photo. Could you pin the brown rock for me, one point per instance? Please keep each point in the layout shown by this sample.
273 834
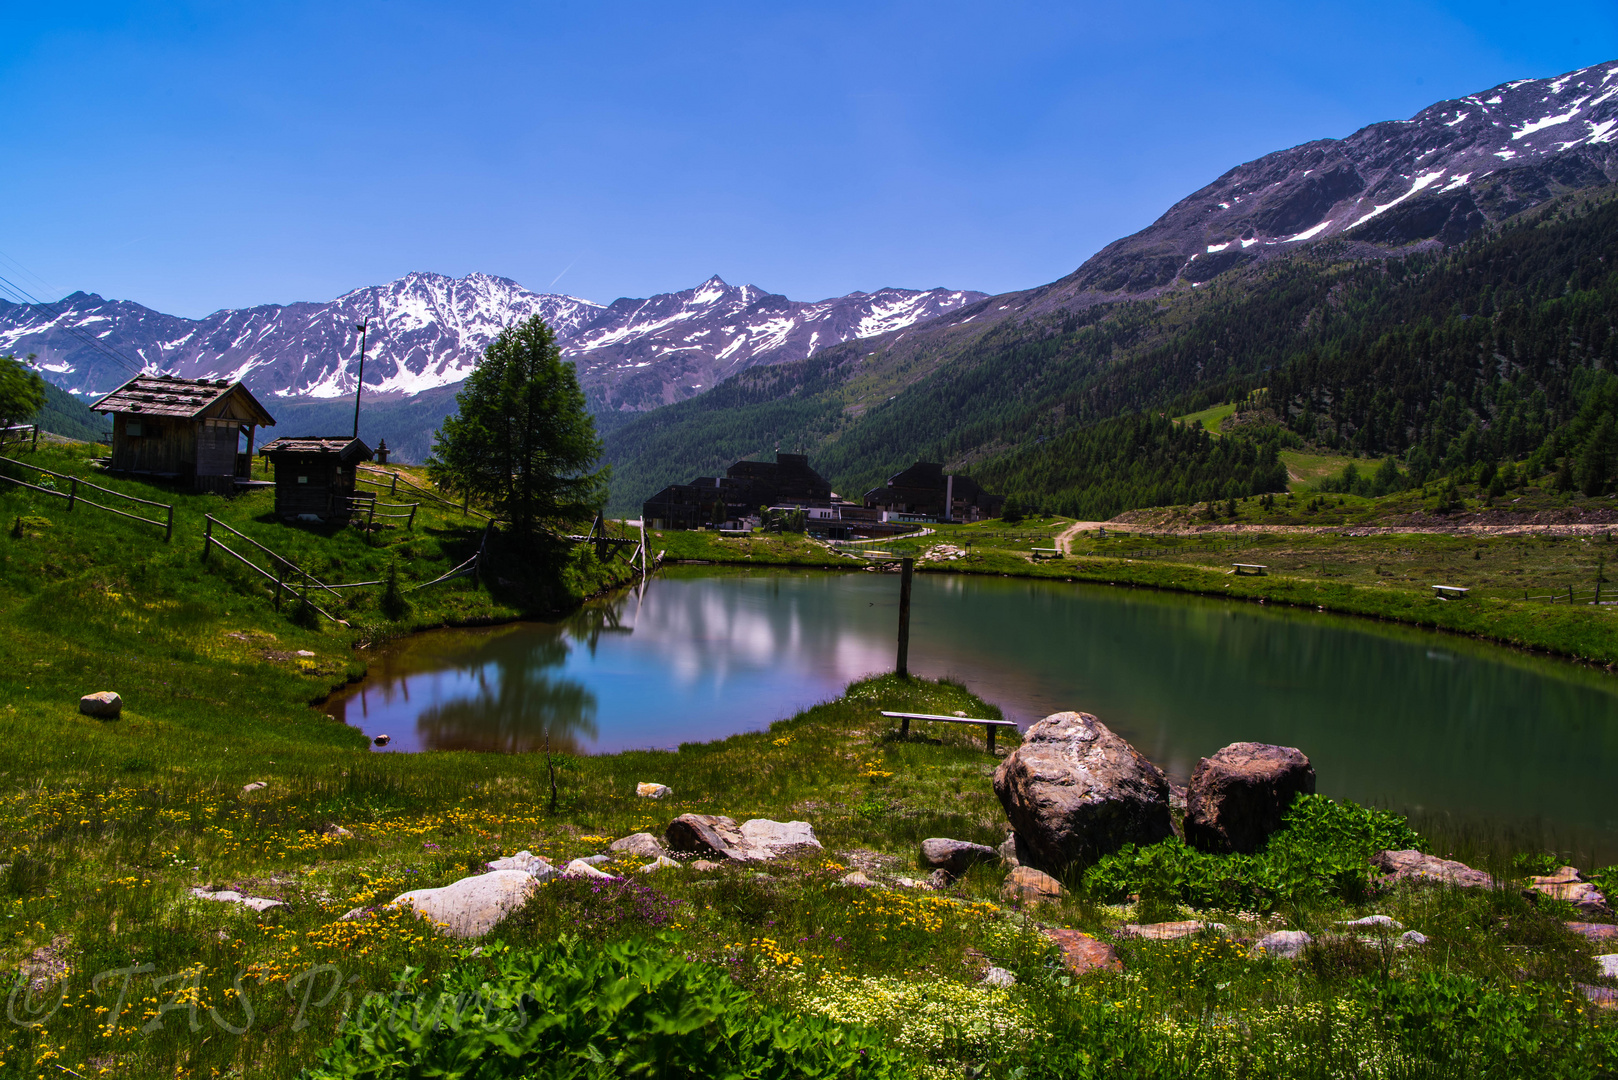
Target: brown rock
1031 886
1238 796
1074 791
1599 933
1082 953
1162 931
955 857
1565 885
1414 866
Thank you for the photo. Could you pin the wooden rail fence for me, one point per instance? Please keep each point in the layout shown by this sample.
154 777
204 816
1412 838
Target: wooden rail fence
74 498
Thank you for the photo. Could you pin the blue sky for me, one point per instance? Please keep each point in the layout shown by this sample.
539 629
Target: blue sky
199 156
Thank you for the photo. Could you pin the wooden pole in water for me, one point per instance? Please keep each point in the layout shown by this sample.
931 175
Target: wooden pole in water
906 566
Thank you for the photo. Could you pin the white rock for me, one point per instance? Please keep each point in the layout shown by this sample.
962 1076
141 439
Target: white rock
1376 922
779 837
999 976
105 704
1608 965
526 862
1287 944
338 831
580 868
653 791
229 896
663 862
256 785
857 879
472 906
303 652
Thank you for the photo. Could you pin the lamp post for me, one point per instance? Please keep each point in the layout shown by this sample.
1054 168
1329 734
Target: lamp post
359 384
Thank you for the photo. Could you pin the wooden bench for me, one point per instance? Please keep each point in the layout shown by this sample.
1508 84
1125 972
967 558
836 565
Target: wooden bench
1450 592
989 726
1249 568
1047 553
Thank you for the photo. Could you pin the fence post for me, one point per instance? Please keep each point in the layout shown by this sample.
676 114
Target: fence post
394 490
36 438
207 536
906 566
1570 594
168 534
305 589
73 493
280 576
370 520
410 526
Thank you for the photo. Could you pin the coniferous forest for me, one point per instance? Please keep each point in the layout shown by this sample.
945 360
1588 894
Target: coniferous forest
1455 361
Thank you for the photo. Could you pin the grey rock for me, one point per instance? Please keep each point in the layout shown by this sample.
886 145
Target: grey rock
1074 791
1608 965
939 879
472 906
1411 865
756 840
642 844
337 831
1014 851
596 860
856 879
230 896
1238 796
1374 922
103 705
1411 938
256 785
526 862
955 857
705 865
999 976
653 791
1287 944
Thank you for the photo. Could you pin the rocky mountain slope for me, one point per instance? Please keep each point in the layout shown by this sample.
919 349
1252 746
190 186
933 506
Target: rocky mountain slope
428 331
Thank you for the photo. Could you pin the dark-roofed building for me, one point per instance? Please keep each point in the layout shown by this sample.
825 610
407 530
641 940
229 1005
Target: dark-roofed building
925 491
315 476
712 501
184 429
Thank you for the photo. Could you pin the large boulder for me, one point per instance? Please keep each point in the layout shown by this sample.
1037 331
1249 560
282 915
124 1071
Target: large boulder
642 844
472 906
1238 796
955 857
1568 885
1074 791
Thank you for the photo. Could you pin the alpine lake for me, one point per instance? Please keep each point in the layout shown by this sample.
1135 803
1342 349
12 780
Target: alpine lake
1458 734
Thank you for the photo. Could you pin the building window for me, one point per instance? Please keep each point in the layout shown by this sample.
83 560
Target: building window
303 479
132 429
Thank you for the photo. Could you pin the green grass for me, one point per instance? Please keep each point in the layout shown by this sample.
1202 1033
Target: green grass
1307 468
1212 419
107 825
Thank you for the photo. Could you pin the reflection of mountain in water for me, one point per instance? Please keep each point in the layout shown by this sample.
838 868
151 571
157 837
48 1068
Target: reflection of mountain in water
518 704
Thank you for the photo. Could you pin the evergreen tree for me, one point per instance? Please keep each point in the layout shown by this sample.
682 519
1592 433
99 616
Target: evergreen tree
521 440
22 392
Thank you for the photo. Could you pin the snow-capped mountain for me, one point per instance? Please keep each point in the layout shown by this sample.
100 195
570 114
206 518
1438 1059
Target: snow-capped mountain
428 331
1436 178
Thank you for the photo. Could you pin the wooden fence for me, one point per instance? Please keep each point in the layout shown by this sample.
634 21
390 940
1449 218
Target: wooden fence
75 499
394 479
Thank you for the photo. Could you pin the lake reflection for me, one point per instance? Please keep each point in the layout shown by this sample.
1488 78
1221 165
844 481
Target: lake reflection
1388 715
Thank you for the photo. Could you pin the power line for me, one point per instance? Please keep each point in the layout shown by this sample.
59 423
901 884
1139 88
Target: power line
25 297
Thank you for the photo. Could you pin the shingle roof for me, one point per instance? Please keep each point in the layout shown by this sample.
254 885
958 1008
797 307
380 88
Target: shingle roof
168 395
345 446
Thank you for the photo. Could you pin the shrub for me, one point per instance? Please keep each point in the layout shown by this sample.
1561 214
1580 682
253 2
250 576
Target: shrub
1323 849
621 1009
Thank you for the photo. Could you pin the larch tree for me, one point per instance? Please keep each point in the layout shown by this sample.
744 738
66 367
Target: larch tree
521 440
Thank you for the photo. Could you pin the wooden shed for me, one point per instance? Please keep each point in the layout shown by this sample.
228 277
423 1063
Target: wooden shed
315 476
184 429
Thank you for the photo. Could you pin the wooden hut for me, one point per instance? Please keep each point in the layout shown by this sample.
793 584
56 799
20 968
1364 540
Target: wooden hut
315 476
184 429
